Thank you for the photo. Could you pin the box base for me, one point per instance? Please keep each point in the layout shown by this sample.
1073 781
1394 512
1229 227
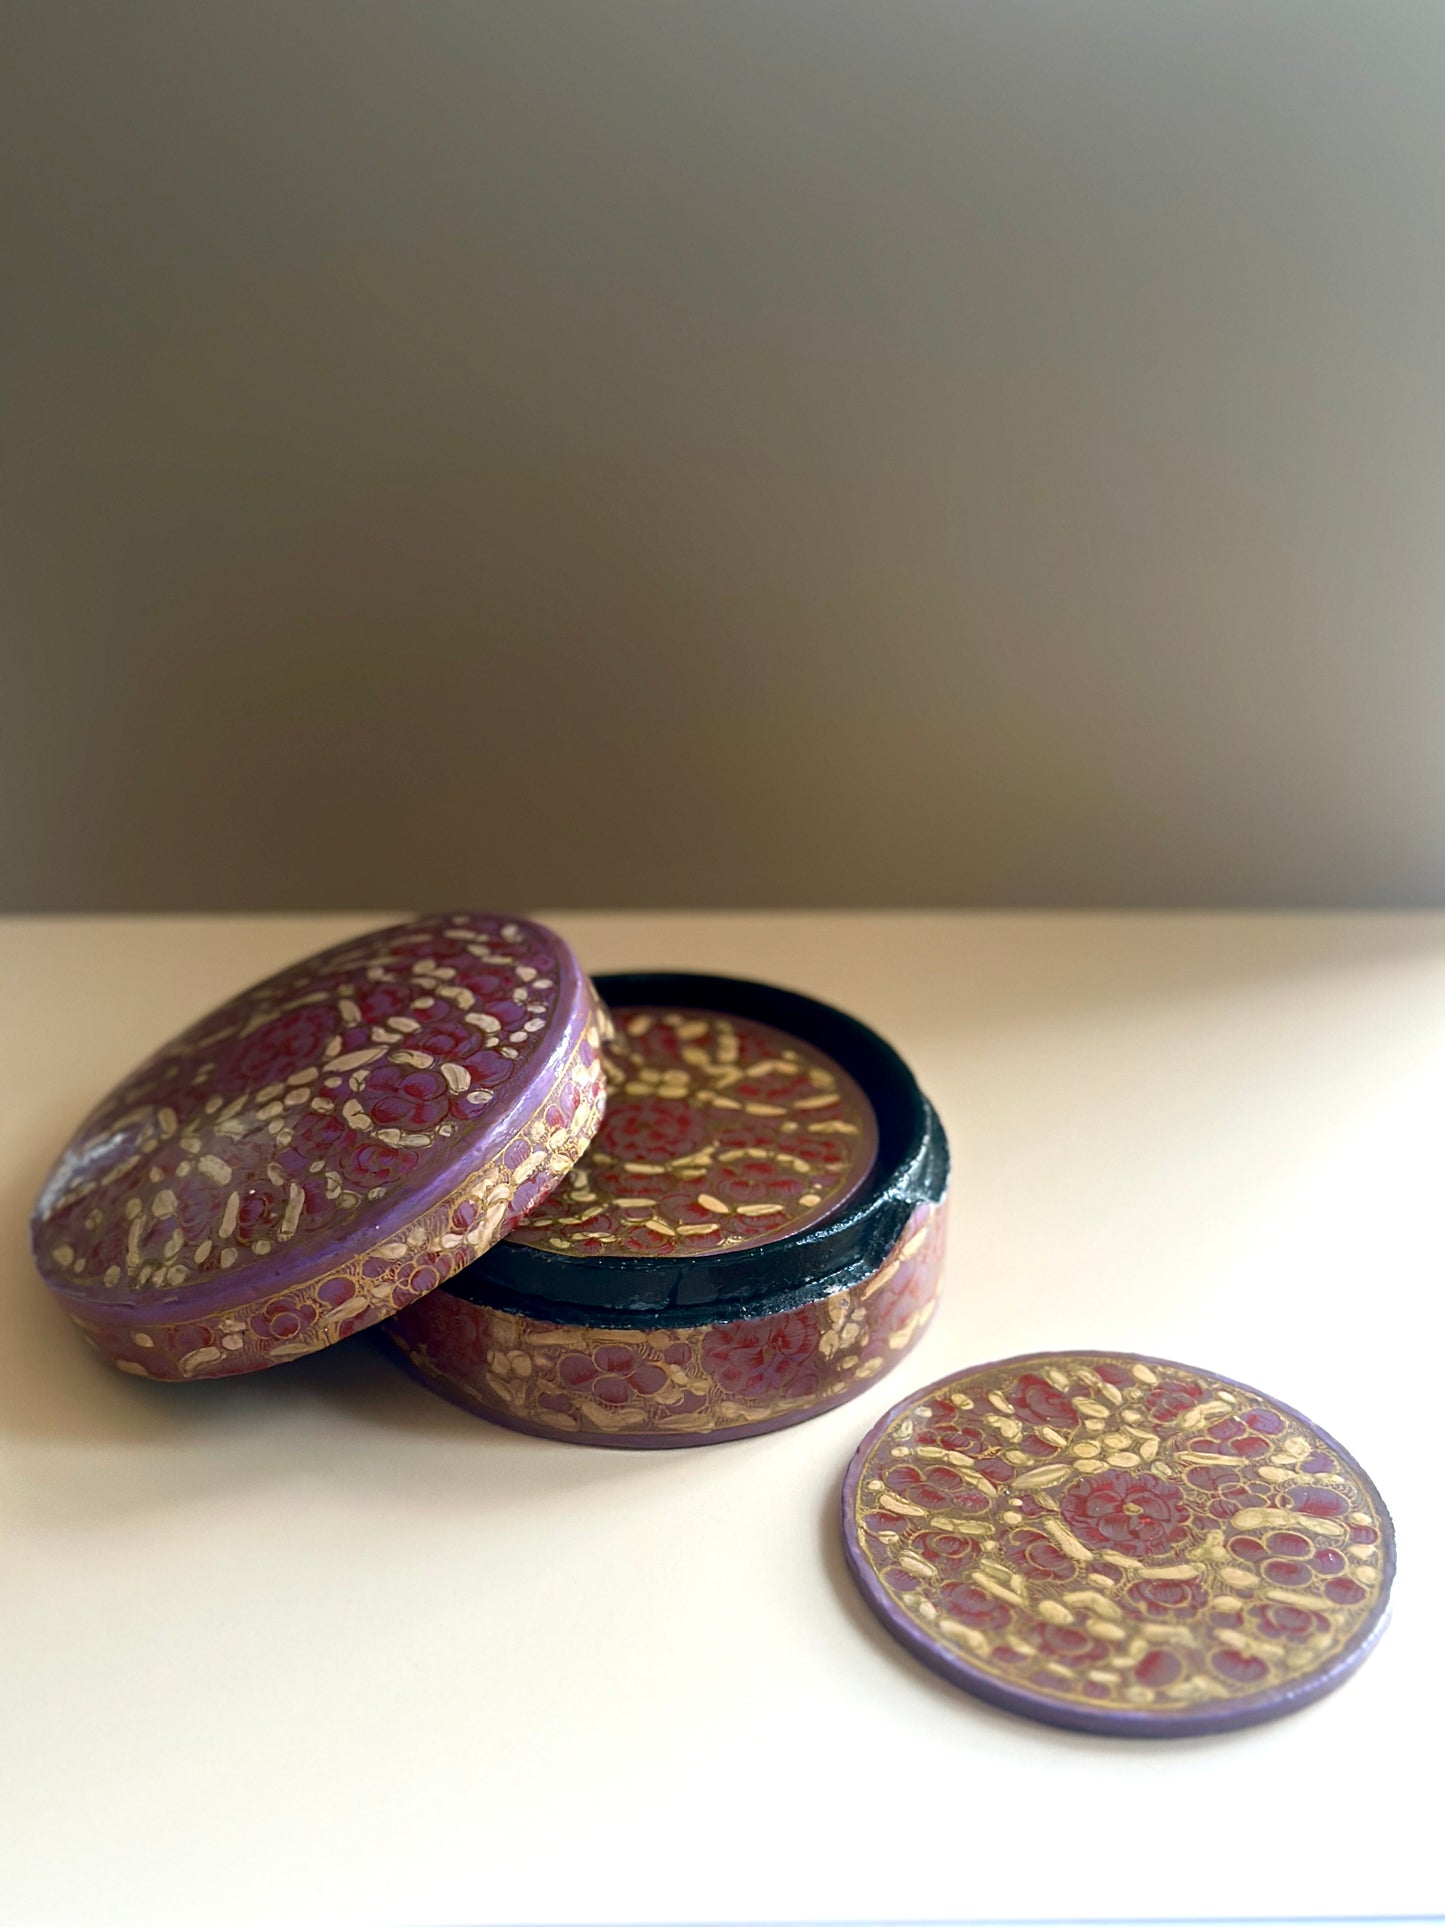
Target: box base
648 1388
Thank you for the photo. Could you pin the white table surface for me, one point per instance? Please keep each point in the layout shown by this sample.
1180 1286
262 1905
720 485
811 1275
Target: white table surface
314 1647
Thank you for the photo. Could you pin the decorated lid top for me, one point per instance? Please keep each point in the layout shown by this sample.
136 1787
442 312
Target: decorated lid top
325 1147
1119 1544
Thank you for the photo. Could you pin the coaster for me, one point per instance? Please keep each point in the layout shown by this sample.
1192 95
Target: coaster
721 1132
1119 1544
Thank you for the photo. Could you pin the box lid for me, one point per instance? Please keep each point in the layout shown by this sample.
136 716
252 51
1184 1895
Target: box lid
325 1147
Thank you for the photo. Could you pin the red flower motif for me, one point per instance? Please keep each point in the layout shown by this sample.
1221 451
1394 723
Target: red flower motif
464 1331
279 1321
680 1208
1319 1502
1172 1398
639 1240
1036 1554
316 1207
612 1374
951 1433
1287 1572
288 1043
1159 1668
651 1130
1343 1592
1288 1545
935 1488
974 1607
1289 1622
110 1245
1216 1478
915 1282
755 1181
198 1206
366 1163
949 1551
447 1038
492 987
1136 1513
825 1154
341 1291
1163 1598
1043 1402
778 1087
1230 1489
193 1338
422 1279
314 1135
759 1355
1071 1644
1240 1669
489 1071
378 1001
587 1240
401 1096
1225 1429
1228 1434
259 1212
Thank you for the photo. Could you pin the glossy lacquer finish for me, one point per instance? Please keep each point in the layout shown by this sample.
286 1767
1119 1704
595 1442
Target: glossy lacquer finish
610 1321
1119 1544
721 1133
327 1146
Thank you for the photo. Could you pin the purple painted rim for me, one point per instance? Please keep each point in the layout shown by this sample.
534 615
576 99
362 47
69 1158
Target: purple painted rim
1218 1716
288 1270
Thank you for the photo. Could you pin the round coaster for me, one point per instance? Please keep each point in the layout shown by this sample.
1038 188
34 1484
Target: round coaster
721 1132
1119 1544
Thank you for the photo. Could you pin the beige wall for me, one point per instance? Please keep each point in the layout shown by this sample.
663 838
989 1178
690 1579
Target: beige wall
709 452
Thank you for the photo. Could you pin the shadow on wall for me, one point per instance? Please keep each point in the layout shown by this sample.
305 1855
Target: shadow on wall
712 455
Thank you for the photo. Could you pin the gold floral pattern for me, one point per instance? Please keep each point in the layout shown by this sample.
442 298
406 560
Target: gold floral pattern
678 1385
1105 1532
374 1283
274 1129
721 1132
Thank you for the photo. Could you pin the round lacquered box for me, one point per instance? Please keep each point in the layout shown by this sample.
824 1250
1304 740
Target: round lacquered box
755 1234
